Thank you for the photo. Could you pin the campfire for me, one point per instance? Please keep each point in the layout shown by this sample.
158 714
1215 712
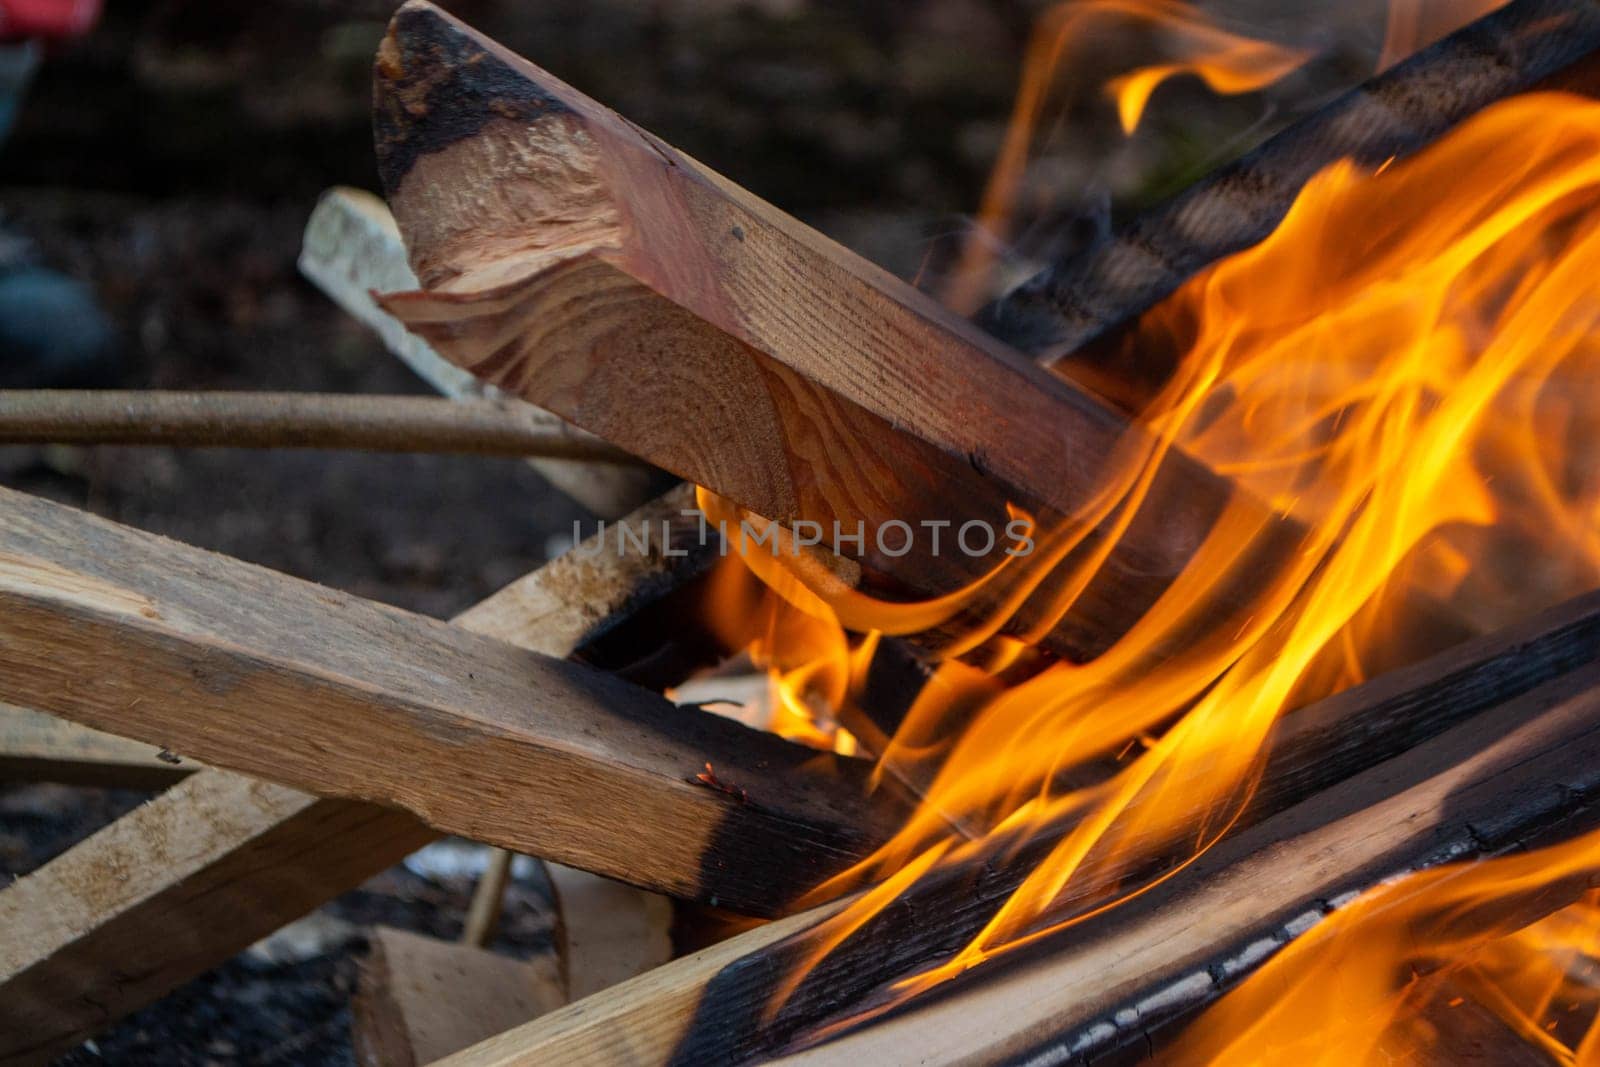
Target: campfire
1188 649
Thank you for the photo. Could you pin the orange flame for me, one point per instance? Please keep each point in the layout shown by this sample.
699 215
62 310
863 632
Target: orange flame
809 664
1375 981
1415 24
1230 61
1227 62
1404 366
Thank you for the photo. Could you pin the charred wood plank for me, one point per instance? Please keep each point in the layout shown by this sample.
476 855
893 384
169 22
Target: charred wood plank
580 263
282 679
1486 787
224 860
1483 691
1070 304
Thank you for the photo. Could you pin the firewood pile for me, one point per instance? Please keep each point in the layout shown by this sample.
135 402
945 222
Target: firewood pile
591 298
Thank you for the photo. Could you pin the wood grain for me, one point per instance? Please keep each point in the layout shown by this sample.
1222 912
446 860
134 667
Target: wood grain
578 262
420 999
351 249
170 890
281 679
187 881
607 932
688 1015
35 747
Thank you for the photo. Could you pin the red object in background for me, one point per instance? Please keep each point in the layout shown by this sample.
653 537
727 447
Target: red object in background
23 19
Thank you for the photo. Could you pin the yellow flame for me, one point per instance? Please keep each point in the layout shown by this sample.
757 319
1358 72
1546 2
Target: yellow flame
1227 62
1230 61
1375 981
1405 366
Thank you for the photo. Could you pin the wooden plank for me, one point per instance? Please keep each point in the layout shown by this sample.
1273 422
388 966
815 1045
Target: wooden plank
35 747
583 265
488 896
689 1013
1481 789
420 999
216 419
639 1021
351 248
1511 50
282 679
608 932
257 856
170 890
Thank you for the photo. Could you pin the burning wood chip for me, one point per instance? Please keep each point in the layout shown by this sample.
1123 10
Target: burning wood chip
708 777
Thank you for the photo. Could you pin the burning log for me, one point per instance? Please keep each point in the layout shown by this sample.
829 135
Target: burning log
587 267
223 860
1489 786
1069 305
1474 717
278 678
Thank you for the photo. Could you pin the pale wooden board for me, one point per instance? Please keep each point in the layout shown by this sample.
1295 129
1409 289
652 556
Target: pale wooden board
351 248
638 1022
609 932
256 856
420 999
278 678
39 747
170 890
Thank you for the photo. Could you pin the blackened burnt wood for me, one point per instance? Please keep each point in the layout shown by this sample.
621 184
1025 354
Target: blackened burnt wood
257 672
1489 786
576 261
701 1017
1068 305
